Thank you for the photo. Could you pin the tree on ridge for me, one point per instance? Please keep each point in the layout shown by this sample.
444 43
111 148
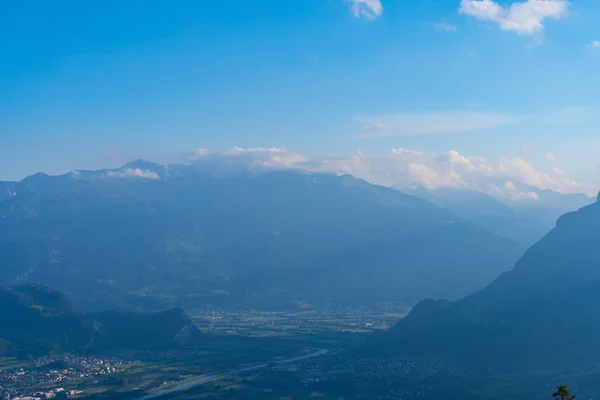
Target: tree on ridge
563 393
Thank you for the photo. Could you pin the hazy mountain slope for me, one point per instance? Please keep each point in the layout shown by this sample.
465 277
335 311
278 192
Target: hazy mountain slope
36 319
525 227
544 312
7 190
551 205
183 237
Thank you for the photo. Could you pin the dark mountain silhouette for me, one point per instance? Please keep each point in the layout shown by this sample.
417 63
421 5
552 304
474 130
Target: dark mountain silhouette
36 319
149 236
543 313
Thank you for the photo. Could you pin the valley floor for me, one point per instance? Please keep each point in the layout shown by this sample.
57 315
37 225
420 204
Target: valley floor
235 339
278 355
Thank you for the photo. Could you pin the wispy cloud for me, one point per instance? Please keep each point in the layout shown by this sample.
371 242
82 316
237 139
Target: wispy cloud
133 173
464 121
595 44
527 148
445 27
524 18
550 157
367 9
430 123
569 115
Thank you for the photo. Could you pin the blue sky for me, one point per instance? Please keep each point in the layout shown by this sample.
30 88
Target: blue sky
93 84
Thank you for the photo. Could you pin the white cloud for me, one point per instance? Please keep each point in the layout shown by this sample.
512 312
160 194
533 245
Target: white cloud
524 17
558 171
595 44
446 27
429 123
524 196
508 178
133 173
550 157
367 9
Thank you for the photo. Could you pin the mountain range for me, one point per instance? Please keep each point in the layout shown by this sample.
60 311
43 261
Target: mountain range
151 236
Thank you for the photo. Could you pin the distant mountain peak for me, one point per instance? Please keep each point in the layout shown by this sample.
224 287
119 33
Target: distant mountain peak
37 177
